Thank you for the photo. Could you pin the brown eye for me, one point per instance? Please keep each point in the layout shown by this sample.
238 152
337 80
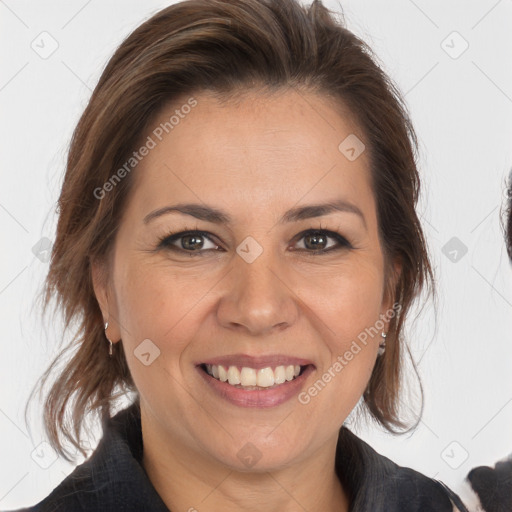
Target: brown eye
321 241
315 241
192 242
189 241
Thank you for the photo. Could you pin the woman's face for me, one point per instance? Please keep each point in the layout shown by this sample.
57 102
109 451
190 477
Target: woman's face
252 289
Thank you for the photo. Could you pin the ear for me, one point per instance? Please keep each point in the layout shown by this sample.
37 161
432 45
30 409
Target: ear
105 297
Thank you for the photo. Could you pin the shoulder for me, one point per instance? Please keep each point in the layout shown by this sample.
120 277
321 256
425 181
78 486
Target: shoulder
379 484
91 487
76 493
112 479
426 493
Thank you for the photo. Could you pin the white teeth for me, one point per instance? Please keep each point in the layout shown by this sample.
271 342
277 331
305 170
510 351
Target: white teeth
223 374
249 377
279 375
233 375
265 377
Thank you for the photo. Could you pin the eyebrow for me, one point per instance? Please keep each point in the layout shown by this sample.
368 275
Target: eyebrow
216 216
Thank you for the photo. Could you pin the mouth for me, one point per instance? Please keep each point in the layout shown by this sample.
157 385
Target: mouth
249 381
252 379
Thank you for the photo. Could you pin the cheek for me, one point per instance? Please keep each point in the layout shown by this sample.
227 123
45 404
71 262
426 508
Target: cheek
350 317
350 306
349 302
157 306
153 302
167 305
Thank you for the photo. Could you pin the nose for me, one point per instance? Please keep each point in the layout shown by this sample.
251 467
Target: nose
257 298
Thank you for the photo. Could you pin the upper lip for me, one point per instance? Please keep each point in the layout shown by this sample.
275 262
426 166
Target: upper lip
256 362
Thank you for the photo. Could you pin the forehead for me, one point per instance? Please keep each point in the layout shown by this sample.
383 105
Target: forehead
261 150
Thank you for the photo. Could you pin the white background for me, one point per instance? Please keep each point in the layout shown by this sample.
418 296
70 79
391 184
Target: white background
462 110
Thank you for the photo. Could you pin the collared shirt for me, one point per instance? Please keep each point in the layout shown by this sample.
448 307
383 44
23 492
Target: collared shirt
113 478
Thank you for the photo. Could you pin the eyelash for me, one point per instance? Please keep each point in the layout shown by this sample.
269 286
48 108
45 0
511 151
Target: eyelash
166 242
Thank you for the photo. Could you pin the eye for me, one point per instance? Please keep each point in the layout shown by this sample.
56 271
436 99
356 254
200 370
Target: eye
188 241
321 241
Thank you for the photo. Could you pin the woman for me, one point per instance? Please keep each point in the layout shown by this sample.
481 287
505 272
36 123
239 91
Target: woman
238 240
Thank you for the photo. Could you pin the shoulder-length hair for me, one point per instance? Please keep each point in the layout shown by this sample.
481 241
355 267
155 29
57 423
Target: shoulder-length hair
224 47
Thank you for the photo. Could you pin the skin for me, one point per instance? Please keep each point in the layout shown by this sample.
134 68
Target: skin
255 160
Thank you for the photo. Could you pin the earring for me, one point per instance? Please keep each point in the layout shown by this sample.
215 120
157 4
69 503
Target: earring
382 344
110 341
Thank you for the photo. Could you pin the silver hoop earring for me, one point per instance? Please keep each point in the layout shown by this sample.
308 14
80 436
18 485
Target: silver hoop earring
110 341
382 344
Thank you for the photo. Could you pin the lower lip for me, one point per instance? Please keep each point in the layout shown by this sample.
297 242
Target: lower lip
257 397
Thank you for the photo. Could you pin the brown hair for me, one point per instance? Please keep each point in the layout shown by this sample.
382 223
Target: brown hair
224 47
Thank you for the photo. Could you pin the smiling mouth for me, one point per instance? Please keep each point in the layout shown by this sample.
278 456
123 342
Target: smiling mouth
254 379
